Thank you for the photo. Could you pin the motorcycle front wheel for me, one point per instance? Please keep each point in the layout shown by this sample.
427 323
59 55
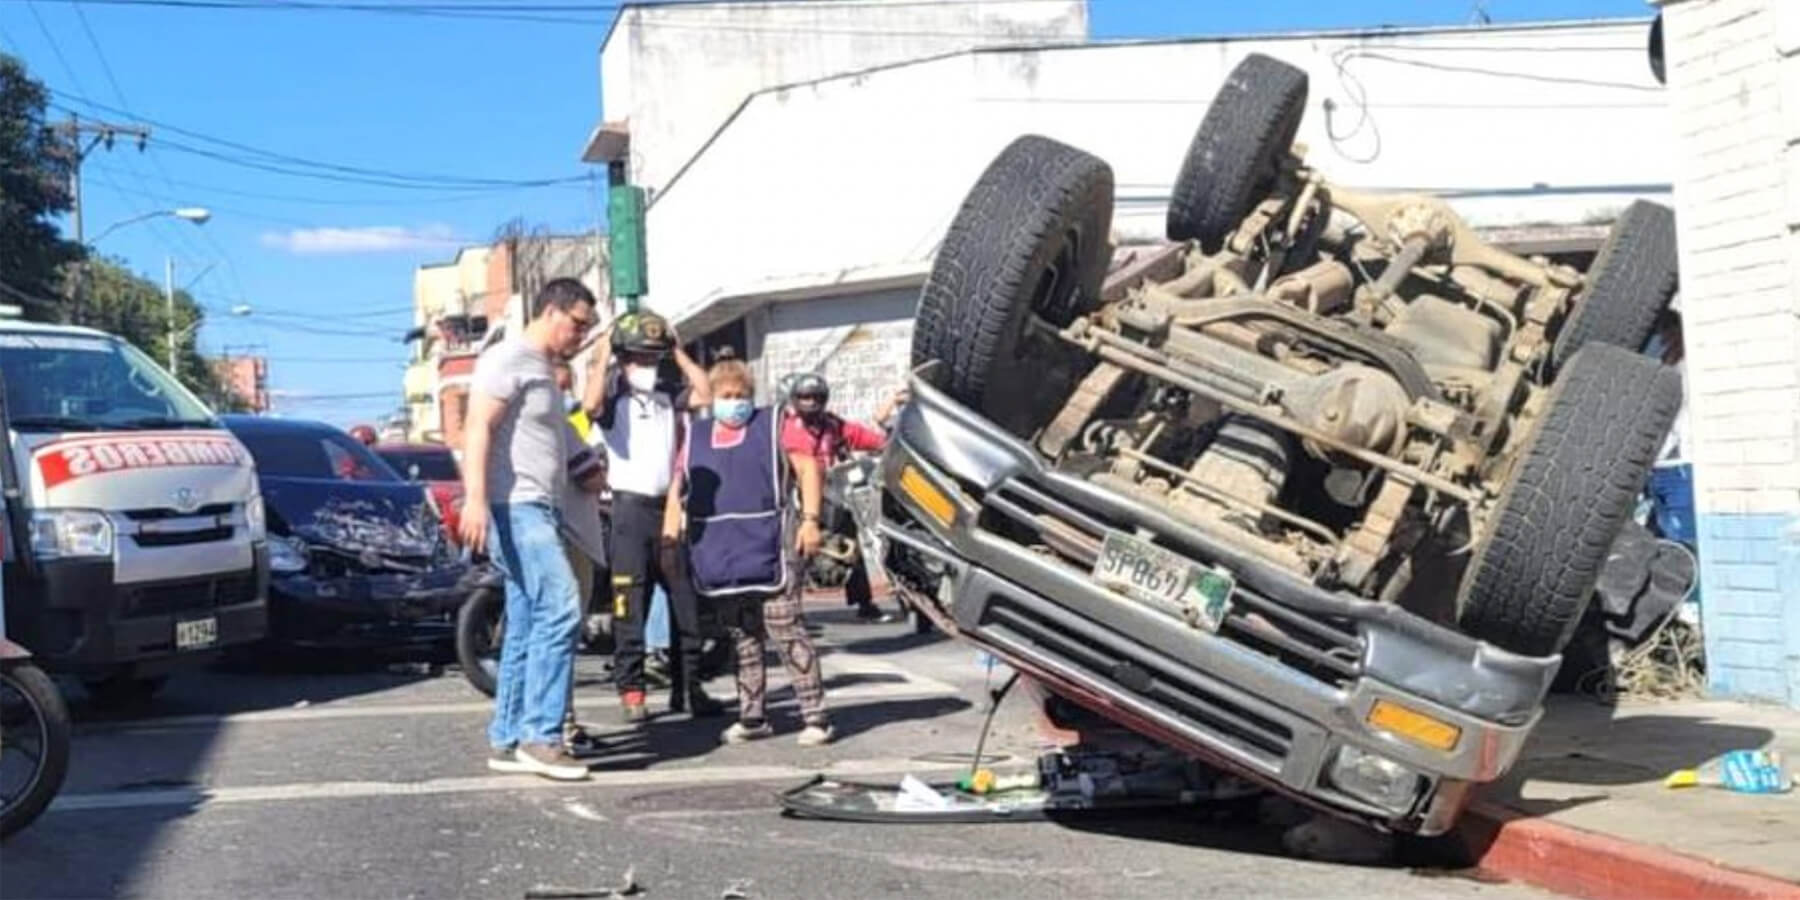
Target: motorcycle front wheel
480 629
34 744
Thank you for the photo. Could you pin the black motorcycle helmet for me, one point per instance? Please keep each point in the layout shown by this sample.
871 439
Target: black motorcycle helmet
643 334
810 393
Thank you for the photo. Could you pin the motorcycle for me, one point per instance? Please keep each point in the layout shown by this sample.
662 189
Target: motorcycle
34 739
481 630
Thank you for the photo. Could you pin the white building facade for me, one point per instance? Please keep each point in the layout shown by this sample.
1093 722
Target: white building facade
1733 69
801 178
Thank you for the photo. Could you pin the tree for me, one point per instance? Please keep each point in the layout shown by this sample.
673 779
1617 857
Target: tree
120 302
34 187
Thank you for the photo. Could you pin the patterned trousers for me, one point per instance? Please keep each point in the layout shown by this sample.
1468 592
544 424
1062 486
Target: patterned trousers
753 622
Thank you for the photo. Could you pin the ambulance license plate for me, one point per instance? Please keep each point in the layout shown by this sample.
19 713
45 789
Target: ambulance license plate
196 633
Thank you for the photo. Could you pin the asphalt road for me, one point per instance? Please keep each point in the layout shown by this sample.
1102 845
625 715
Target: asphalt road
349 781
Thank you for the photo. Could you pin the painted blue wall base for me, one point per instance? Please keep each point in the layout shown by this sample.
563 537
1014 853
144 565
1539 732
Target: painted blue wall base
1750 605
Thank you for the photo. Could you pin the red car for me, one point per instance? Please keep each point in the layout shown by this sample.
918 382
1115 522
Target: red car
434 466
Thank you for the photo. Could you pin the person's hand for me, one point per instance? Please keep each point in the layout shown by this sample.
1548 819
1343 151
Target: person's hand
808 539
473 528
671 532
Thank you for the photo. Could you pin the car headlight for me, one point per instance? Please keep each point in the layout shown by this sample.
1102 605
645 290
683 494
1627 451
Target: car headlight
286 555
66 533
1374 778
257 518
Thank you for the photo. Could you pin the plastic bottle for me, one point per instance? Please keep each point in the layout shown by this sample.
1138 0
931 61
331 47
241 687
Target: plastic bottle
1743 771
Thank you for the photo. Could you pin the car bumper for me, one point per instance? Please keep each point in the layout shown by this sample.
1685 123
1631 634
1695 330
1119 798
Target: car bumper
75 618
1289 680
371 610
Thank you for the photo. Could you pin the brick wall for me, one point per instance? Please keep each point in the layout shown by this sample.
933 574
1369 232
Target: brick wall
862 343
1734 89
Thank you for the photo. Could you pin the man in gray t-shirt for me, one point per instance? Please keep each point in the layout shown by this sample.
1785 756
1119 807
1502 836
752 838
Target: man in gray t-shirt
513 470
525 462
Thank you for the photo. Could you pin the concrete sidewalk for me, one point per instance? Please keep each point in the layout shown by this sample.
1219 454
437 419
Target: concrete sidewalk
1593 773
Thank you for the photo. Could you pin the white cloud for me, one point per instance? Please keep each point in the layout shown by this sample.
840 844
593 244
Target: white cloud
368 239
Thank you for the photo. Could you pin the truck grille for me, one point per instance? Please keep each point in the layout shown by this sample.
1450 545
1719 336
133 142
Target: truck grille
153 532
156 513
163 598
1050 633
182 538
1324 648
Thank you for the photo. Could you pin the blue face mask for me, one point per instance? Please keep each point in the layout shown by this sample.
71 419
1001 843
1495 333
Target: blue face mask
733 411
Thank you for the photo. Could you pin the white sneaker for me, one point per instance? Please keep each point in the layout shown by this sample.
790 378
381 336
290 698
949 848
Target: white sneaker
505 760
550 761
816 735
739 733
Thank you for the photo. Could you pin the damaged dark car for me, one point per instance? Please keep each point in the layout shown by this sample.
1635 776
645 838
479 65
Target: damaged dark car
358 559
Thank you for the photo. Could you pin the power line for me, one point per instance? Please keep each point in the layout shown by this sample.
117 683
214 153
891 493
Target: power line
462 197
293 162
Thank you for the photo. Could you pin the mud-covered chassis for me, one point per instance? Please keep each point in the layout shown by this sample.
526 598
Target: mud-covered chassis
1319 492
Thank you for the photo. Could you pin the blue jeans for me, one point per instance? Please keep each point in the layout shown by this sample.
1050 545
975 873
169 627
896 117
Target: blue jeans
543 615
656 624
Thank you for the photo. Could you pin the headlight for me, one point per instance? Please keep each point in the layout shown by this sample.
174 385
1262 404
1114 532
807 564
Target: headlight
1374 778
65 533
286 555
257 518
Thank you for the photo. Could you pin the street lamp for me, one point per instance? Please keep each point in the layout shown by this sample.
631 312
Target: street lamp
195 214
199 215
179 336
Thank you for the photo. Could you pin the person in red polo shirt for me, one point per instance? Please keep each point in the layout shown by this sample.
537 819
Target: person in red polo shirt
813 429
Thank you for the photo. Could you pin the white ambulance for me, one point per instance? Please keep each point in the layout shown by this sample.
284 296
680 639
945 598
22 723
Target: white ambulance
139 545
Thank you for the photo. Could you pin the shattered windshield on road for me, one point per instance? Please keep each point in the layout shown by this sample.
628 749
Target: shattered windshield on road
78 382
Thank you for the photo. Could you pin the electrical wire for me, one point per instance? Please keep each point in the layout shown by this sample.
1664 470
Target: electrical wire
287 161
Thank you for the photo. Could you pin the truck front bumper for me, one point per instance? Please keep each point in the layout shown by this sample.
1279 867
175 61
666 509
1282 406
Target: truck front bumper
75 618
1286 691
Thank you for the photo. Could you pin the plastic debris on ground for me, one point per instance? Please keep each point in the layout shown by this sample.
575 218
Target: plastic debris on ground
1742 771
1063 783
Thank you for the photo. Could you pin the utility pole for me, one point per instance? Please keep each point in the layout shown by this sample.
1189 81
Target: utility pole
99 134
169 310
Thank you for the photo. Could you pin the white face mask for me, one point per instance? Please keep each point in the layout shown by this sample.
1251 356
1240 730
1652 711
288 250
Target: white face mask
642 380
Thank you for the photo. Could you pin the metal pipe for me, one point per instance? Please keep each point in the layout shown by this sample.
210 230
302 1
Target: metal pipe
1150 362
1398 268
1202 487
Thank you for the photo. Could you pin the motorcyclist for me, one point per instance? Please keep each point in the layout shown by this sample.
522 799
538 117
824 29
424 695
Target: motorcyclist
364 435
813 429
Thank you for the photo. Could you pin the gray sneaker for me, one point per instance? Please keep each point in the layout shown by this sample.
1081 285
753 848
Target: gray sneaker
550 761
505 759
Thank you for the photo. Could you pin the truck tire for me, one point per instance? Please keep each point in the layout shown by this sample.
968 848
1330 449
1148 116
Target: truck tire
1234 156
1576 482
480 628
1030 241
1628 286
123 691
33 708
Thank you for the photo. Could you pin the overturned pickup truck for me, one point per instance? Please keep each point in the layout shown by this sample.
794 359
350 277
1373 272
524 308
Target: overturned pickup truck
1317 494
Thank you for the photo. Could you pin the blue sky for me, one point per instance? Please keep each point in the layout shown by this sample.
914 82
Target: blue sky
478 99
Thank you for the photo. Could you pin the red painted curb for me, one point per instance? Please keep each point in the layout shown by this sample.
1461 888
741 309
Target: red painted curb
1563 859
1595 866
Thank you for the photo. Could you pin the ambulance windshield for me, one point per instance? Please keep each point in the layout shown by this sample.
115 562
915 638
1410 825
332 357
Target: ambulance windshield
77 382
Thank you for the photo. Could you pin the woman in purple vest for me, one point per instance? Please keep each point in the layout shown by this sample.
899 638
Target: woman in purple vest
731 499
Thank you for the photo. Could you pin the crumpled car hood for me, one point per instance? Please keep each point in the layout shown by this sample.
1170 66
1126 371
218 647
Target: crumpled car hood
390 519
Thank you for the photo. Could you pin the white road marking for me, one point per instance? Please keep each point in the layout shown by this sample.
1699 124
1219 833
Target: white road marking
342 790
837 665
